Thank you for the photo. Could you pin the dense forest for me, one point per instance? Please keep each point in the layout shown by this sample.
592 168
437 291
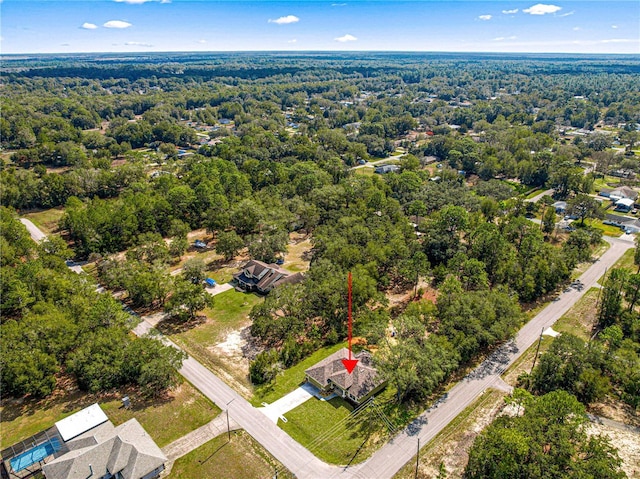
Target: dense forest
140 151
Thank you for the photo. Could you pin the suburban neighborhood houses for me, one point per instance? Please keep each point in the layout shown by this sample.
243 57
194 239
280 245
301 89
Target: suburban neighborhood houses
319 265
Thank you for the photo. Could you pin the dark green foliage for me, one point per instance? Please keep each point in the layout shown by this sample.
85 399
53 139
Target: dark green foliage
549 441
66 324
264 367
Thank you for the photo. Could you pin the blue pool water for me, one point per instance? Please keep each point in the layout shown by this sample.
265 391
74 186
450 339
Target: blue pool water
34 455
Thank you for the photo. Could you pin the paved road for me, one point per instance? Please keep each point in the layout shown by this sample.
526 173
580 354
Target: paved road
397 452
34 231
539 196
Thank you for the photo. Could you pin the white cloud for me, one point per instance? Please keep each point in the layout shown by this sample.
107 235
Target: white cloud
285 20
510 12
293 40
498 39
138 44
165 1
117 24
614 27
65 44
567 14
89 26
542 9
132 2
485 17
338 4
346 38
620 40
202 41
576 29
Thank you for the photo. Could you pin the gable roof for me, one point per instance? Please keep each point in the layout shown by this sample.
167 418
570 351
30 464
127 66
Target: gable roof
266 276
128 449
359 383
625 192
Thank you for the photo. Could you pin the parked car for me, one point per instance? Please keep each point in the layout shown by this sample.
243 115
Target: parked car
280 261
200 244
210 282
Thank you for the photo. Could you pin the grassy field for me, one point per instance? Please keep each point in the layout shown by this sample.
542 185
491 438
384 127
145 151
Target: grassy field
327 429
626 261
297 258
224 321
167 419
46 220
579 320
367 171
291 378
609 230
448 451
243 457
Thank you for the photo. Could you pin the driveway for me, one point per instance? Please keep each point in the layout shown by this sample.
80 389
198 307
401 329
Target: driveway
291 401
34 231
218 288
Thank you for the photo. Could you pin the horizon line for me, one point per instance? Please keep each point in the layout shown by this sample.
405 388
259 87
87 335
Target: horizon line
461 52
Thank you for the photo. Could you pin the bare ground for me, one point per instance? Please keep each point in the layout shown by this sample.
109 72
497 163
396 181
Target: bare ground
627 443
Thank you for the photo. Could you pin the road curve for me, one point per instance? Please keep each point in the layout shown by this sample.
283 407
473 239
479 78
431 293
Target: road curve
400 449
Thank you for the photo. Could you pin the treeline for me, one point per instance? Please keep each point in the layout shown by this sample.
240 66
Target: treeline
550 439
53 322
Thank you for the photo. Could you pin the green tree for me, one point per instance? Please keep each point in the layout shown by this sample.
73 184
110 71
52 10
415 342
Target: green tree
548 442
584 206
229 244
188 298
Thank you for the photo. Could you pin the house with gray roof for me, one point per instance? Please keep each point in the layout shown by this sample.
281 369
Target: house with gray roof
262 277
85 445
330 375
105 451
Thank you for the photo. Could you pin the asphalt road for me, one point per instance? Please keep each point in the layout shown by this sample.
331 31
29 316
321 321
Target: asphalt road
34 231
402 448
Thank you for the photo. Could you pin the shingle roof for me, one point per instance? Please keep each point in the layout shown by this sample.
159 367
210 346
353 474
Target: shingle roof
266 276
359 383
128 450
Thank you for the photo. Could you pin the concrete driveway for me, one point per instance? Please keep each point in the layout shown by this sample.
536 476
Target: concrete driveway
291 401
218 288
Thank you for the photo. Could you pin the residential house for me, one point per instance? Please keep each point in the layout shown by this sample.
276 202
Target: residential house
560 207
262 277
87 445
623 192
330 375
381 170
625 205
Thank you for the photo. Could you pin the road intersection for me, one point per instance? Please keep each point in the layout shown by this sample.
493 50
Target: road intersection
389 459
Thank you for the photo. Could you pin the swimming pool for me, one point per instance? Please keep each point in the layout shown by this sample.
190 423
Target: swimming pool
35 454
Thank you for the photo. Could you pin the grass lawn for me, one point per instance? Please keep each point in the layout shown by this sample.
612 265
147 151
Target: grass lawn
581 317
291 378
626 261
184 410
297 258
328 431
533 192
243 457
46 220
367 170
600 183
228 316
608 230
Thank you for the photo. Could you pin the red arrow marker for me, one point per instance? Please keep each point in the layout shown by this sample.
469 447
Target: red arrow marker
349 364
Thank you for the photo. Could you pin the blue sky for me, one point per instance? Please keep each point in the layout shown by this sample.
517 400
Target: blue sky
52 26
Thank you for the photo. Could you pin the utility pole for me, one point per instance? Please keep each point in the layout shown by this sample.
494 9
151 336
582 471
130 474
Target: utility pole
537 350
417 458
229 428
